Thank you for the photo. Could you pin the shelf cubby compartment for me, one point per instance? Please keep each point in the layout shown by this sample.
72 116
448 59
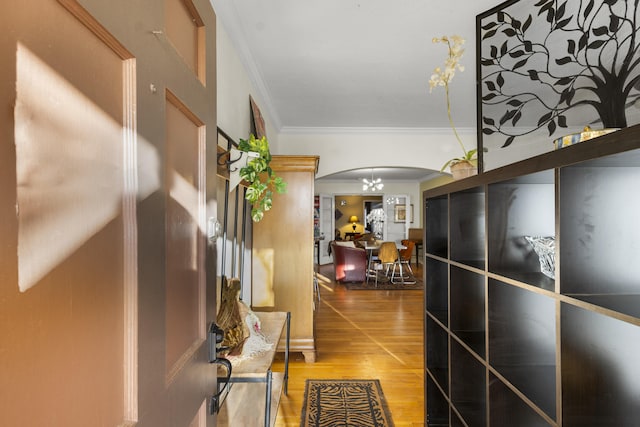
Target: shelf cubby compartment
600 369
468 308
508 409
466 227
437 353
437 214
437 405
523 206
456 422
600 250
437 289
522 342
468 386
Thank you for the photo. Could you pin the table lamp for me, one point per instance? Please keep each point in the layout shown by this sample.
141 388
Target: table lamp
353 219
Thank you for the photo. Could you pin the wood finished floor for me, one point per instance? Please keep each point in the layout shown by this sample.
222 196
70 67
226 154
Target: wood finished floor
367 335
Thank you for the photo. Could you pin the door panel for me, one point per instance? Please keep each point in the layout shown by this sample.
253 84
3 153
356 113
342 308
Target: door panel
397 223
63 295
104 296
327 226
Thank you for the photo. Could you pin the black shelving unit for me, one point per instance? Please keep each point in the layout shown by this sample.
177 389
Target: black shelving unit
506 344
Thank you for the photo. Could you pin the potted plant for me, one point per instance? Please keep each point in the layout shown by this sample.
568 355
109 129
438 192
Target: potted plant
259 175
467 164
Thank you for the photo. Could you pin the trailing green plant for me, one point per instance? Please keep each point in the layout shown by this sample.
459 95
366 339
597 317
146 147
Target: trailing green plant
260 193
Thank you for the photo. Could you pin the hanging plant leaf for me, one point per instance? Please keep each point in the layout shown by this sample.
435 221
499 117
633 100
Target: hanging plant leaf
259 193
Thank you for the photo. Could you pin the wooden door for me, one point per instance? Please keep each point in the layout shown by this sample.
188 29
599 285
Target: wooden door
104 296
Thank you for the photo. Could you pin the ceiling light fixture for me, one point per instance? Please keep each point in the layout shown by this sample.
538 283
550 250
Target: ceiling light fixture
373 185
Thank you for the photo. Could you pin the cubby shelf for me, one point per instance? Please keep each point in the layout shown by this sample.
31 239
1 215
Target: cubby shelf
506 344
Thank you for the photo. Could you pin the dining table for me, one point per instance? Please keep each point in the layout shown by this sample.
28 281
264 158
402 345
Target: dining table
372 272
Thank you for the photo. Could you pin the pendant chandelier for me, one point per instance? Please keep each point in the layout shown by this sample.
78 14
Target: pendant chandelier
373 184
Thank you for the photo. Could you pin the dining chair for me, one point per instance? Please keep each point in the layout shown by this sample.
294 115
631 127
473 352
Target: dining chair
407 253
387 255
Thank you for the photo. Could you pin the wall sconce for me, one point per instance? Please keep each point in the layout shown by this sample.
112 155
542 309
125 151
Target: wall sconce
353 219
238 159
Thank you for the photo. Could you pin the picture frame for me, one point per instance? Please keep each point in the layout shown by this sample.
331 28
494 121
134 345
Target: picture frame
400 213
257 121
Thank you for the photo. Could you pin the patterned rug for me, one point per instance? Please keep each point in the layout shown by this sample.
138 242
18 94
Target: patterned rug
385 284
344 403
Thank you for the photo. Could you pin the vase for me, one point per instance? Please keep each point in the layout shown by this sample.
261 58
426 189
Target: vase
377 229
463 169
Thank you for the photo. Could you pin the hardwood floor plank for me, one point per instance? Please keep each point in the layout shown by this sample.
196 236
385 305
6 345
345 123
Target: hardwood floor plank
368 335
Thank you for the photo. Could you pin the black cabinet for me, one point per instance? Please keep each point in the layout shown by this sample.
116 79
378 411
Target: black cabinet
532 291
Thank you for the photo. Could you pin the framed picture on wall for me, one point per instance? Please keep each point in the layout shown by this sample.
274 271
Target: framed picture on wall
258 127
400 213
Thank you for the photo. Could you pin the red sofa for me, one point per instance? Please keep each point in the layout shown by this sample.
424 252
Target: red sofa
349 263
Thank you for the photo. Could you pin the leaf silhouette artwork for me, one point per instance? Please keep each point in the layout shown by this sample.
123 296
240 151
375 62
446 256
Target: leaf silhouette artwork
547 67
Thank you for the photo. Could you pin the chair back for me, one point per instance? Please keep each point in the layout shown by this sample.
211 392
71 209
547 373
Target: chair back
388 253
405 254
415 234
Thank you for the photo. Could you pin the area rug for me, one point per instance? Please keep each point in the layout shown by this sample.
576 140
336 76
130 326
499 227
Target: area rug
383 285
344 403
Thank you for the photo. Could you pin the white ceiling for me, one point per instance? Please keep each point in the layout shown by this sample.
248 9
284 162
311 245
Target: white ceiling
353 63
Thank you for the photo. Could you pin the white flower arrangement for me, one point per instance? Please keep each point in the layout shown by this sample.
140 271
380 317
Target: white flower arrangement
442 77
376 215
